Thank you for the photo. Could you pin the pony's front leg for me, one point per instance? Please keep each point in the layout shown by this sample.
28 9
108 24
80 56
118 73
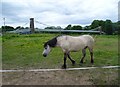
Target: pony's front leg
65 57
73 61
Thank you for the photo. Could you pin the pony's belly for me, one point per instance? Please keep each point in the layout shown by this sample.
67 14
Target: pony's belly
75 49
68 49
76 46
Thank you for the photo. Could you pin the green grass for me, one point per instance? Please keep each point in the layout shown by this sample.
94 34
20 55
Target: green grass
25 52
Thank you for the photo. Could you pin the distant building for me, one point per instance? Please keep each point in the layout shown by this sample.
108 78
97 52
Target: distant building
21 31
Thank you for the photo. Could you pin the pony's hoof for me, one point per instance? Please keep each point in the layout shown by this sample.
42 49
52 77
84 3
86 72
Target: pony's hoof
81 62
64 67
73 63
92 61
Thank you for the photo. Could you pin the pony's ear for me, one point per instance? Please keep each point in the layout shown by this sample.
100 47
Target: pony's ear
44 43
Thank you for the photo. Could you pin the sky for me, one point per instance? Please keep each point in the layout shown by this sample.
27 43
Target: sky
57 12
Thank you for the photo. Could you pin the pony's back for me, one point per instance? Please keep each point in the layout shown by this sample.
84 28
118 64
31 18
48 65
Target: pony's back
89 41
75 43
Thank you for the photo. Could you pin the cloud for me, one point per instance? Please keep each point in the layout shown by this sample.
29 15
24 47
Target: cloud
59 13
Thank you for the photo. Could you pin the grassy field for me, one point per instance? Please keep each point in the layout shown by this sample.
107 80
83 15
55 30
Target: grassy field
25 51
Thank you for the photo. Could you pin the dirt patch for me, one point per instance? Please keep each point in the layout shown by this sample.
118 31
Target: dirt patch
79 77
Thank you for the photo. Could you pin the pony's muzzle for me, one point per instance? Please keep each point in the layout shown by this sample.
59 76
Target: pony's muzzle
45 55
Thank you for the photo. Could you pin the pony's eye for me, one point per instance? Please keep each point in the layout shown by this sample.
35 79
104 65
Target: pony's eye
45 47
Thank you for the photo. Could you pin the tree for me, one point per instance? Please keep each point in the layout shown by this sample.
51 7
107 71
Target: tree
7 28
102 24
68 27
95 24
0 30
116 27
51 27
19 27
76 27
87 28
59 27
108 27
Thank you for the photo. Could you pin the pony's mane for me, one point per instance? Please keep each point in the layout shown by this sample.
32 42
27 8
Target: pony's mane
52 42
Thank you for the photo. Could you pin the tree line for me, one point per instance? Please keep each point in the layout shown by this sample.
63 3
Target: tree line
107 26
10 28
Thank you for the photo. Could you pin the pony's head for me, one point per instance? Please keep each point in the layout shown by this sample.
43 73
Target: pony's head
47 49
48 45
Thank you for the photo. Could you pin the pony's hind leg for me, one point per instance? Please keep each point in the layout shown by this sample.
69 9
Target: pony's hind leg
84 54
73 61
91 54
65 57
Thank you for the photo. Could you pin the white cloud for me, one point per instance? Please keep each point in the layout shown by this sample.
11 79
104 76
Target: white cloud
63 12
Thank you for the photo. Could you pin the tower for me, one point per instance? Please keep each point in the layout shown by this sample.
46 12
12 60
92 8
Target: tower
32 25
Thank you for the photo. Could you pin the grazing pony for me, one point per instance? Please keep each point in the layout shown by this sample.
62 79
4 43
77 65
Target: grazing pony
70 44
